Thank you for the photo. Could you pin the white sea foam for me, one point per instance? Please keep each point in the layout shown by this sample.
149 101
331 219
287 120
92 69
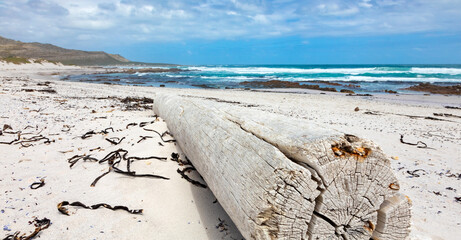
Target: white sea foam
236 78
373 79
174 76
137 67
266 70
350 78
349 71
449 71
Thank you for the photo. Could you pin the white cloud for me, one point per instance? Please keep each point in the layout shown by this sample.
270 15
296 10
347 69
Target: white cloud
262 19
334 9
390 2
105 21
365 4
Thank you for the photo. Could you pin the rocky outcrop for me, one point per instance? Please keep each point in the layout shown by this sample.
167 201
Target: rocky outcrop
436 89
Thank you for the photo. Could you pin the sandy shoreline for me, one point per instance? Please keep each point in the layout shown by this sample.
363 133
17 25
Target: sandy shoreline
175 209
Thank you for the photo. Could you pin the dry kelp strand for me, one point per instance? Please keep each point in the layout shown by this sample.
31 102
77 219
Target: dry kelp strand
161 135
184 175
63 209
37 185
113 159
40 224
73 160
92 132
418 144
115 140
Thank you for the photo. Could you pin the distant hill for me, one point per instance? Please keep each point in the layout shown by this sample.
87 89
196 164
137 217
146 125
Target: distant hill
9 47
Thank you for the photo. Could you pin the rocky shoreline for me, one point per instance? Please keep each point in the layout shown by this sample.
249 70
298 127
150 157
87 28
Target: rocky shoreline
436 89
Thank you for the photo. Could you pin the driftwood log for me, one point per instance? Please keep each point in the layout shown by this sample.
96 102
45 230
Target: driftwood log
284 178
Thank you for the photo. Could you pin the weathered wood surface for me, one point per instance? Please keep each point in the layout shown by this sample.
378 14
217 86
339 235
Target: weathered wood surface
283 178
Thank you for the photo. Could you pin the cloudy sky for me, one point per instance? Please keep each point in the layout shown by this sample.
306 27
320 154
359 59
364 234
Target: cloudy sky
251 31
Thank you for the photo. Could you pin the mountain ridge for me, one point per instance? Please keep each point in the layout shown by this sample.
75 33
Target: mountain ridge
50 52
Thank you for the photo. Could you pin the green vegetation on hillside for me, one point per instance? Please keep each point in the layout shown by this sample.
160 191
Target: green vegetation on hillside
15 60
21 60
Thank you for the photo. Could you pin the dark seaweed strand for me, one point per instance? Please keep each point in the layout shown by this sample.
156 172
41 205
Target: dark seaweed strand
143 138
424 145
160 135
143 124
37 185
131 124
73 160
184 175
115 140
15 140
133 174
147 158
91 133
40 225
63 209
93 184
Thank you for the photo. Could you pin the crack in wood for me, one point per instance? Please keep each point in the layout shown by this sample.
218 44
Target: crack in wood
314 176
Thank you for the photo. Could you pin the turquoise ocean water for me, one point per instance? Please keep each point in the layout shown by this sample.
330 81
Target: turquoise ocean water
370 78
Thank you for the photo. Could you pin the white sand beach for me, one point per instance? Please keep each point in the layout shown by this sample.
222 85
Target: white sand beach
174 208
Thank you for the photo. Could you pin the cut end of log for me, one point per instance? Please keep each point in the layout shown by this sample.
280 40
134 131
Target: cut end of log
356 179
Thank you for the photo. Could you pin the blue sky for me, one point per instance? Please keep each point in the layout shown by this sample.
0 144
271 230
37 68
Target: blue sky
247 32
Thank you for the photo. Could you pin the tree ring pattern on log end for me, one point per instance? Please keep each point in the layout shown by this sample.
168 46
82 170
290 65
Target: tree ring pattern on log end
357 178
